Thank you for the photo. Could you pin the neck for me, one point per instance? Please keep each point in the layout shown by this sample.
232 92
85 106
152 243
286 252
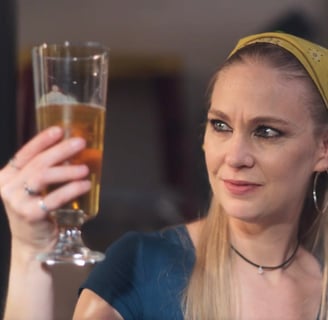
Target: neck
264 246
262 268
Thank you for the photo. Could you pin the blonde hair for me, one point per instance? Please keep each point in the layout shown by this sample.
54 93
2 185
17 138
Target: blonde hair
315 240
211 293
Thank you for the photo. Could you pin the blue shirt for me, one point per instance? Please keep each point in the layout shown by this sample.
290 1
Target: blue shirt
144 274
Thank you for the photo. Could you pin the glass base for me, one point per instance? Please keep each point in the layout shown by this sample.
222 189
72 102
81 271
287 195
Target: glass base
70 250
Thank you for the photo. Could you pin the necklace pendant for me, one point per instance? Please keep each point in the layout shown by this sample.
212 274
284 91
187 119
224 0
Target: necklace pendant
260 270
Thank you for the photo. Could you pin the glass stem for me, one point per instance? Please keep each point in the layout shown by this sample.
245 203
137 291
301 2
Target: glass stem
69 241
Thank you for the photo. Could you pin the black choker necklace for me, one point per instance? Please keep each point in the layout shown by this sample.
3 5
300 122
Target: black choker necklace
260 269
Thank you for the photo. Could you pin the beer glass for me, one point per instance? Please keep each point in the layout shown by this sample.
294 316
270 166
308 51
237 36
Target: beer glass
70 87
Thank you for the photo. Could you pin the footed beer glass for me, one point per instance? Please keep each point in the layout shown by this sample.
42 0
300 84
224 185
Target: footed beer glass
70 84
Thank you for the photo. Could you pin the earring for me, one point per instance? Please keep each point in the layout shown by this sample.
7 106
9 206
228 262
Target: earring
314 193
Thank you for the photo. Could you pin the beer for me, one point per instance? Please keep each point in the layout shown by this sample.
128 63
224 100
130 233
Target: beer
78 120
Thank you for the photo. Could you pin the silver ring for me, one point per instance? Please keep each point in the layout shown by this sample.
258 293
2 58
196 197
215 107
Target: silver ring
43 206
13 164
30 191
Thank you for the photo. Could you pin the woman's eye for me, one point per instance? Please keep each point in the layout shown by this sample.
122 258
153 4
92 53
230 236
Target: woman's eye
267 132
219 125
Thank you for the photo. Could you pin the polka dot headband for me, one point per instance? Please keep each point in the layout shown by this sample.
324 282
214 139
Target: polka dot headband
313 57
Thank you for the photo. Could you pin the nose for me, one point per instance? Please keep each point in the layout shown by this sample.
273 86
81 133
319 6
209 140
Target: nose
239 151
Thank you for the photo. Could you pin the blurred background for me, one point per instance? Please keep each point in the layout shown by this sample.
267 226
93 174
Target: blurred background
162 57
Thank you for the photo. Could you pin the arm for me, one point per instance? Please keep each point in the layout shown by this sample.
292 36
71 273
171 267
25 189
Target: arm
30 289
91 306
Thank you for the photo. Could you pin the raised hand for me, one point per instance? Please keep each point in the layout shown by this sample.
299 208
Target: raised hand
36 166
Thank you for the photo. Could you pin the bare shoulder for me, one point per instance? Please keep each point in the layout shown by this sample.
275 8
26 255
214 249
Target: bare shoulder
307 282
308 265
92 306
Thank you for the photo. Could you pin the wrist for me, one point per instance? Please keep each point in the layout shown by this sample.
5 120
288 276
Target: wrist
26 252
30 284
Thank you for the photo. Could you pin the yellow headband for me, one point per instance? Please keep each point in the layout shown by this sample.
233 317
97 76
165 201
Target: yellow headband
313 57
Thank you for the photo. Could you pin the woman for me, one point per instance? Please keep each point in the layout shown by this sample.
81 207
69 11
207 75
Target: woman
260 253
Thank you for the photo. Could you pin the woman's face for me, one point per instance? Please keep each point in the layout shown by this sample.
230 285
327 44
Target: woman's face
259 144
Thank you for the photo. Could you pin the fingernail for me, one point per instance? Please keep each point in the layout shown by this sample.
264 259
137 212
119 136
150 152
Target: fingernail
55 131
83 168
86 185
77 142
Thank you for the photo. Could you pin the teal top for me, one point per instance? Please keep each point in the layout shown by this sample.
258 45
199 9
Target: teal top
144 274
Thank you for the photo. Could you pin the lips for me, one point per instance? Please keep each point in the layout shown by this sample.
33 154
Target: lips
240 187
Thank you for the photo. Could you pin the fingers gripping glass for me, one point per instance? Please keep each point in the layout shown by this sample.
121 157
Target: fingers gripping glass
70 84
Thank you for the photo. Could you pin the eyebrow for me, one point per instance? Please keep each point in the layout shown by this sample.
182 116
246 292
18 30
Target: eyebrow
255 120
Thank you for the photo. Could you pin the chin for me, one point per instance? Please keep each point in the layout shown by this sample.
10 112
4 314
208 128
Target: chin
245 214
